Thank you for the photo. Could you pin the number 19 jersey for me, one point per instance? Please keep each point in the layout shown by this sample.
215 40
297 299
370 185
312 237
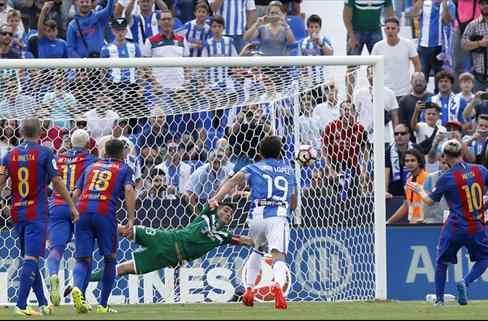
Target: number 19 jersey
31 167
272 183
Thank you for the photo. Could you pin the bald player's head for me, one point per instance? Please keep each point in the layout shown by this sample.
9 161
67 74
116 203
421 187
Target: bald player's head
31 128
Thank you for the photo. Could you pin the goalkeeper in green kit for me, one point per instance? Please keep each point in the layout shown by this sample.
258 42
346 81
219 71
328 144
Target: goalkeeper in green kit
170 248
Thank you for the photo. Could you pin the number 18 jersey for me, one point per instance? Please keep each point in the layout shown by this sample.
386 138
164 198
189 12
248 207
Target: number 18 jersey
102 187
272 183
31 167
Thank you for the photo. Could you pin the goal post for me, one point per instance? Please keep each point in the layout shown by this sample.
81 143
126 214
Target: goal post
338 233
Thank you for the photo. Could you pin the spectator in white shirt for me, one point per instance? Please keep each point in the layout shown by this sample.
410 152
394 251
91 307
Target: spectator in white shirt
100 120
423 130
398 53
329 110
363 99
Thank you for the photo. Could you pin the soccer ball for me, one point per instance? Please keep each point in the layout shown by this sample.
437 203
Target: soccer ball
306 155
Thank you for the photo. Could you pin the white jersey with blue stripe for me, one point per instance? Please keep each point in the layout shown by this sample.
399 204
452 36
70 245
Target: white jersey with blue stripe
308 47
194 33
273 184
127 50
235 15
143 28
431 22
223 47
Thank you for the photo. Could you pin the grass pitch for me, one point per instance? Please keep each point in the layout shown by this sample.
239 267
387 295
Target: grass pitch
296 311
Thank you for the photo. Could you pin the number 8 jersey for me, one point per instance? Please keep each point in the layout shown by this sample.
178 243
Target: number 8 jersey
31 167
272 183
102 186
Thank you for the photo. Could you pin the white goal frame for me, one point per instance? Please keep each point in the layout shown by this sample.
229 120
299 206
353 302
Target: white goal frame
378 100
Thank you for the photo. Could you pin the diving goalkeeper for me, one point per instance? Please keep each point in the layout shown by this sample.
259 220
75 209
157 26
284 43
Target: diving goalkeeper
170 248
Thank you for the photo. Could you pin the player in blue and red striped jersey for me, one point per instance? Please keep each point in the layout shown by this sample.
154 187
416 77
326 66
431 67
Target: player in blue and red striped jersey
71 165
99 191
31 168
463 187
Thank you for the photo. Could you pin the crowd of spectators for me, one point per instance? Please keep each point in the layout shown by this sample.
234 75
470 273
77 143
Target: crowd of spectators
181 153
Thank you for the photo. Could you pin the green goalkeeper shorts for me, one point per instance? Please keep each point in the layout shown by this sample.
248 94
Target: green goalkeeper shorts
158 251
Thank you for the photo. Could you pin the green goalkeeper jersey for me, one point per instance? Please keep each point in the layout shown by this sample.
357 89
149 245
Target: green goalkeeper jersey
202 235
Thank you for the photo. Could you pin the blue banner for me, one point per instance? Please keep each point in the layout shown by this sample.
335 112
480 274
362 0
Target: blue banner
411 265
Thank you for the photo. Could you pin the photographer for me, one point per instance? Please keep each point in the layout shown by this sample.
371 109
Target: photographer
477 106
475 40
477 143
424 130
86 30
272 32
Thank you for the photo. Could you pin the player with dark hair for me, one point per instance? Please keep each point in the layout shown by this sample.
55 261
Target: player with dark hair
463 187
99 190
272 183
170 248
31 168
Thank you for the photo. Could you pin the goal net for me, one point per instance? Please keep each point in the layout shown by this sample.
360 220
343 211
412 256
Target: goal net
189 124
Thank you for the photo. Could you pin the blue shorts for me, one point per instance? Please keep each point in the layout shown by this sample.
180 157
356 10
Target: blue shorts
60 230
32 238
452 240
93 226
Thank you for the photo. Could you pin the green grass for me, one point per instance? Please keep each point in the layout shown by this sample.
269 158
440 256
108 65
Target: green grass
296 311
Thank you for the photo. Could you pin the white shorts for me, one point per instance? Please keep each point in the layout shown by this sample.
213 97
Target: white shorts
274 232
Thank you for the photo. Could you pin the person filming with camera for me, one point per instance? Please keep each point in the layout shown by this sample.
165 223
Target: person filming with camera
475 40
476 151
431 114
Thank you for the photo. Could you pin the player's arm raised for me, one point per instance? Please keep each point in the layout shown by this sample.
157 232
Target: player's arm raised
236 180
60 187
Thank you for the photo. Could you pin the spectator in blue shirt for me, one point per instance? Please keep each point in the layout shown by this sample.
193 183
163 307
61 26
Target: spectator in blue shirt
86 30
49 45
196 31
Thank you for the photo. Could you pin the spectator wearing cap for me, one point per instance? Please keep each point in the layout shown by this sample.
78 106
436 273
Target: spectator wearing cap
475 40
177 172
49 45
271 32
7 51
86 31
166 44
435 16
452 107
478 142
424 129
419 93
206 179
398 53
122 82
239 15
